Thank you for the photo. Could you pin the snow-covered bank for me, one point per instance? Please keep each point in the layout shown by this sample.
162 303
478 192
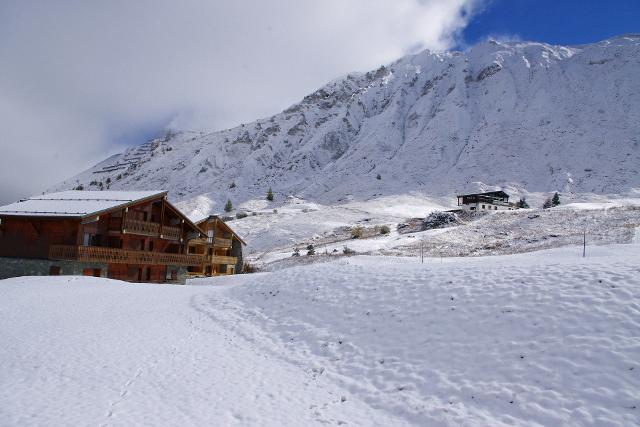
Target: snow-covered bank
272 237
544 338
84 351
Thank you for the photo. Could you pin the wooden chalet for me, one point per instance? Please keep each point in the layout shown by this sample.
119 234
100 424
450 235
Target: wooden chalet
128 235
488 201
221 249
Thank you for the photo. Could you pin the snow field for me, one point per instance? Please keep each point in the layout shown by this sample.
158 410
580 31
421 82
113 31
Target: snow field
84 351
300 220
272 237
537 339
543 338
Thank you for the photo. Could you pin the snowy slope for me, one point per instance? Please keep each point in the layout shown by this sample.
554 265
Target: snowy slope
523 116
87 352
546 338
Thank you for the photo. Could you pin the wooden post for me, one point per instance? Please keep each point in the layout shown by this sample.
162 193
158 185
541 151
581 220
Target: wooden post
584 244
161 217
182 235
124 218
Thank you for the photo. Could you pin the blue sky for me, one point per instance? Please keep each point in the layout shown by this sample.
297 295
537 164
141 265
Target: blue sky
555 21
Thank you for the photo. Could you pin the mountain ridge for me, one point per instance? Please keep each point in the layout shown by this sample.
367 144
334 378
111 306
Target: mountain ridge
525 116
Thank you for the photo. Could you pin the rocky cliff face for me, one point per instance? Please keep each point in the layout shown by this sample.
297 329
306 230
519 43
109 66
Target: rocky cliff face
519 115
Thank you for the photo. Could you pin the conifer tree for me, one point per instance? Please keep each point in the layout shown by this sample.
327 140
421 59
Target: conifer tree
555 201
270 195
229 206
522 203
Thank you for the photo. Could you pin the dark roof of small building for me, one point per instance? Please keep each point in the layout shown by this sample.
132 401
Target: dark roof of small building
499 193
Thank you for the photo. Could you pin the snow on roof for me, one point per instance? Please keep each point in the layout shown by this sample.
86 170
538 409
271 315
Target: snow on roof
75 203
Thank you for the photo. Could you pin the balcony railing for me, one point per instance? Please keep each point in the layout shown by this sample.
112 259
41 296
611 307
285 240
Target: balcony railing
144 228
121 256
152 229
218 242
219 259
171 233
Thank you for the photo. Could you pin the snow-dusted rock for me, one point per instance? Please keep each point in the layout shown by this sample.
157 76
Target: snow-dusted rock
516 115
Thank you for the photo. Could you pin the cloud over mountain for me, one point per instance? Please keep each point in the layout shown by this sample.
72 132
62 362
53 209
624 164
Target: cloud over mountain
81 79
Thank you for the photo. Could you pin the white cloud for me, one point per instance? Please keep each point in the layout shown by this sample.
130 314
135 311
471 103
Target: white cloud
76 76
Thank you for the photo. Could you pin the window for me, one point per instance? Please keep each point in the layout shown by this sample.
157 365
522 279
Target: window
114 242
482 206
92 239
472 208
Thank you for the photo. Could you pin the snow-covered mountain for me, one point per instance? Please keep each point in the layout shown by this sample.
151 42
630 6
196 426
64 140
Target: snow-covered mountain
524 116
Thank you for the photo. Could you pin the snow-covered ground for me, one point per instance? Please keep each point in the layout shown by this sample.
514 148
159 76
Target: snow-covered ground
543 338
298 220
272 236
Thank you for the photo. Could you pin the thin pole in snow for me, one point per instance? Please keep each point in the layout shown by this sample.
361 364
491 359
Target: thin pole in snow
422 251
584 243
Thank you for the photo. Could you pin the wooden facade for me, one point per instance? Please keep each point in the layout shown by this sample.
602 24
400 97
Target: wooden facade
143 240
221 249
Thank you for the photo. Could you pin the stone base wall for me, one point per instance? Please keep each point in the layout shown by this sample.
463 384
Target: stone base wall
182 274
16 267
236 251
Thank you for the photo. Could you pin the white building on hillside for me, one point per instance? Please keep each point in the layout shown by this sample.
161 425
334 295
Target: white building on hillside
483 202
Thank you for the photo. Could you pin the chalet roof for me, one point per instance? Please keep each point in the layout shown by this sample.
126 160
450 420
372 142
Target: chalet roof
76 204
499 193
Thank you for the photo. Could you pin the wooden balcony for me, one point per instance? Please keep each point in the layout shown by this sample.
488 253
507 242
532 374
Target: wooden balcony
151 229
121 256
171 233
143 228
219 259
218 242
